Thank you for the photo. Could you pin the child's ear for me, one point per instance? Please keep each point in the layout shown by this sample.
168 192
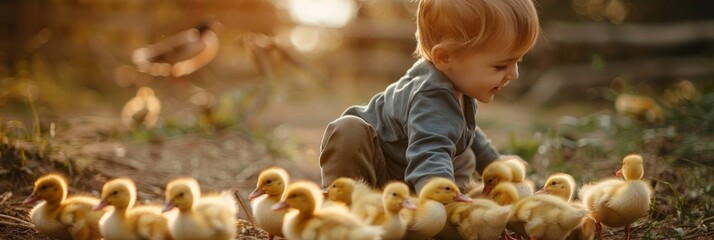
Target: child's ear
441 58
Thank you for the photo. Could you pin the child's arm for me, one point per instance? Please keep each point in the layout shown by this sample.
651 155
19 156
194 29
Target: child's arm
434 125
484 151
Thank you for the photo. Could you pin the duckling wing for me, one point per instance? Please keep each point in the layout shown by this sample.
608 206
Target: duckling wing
75 216
338 224
218 211
149 223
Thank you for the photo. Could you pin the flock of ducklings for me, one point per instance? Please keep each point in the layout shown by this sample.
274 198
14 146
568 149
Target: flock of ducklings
506 205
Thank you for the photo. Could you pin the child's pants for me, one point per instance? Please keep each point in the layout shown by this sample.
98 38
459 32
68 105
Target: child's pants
350 148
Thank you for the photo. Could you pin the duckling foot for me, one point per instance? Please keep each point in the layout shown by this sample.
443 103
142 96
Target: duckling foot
627 232
270 236
598 227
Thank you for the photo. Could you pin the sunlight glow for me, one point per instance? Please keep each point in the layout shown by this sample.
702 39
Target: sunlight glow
322 13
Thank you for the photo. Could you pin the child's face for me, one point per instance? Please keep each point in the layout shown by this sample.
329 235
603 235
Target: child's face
481 74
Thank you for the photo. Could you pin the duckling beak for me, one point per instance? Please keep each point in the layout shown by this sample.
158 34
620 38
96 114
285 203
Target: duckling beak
168 207
31 199
408 204
102 204
256 193
280 206
486 191
326 193
619 173
460 197
542 191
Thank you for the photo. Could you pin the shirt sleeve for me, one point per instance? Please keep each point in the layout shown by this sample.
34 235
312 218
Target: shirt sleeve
434 126
484 151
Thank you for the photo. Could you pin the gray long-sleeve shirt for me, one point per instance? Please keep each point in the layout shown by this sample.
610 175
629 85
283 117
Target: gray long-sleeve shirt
421 125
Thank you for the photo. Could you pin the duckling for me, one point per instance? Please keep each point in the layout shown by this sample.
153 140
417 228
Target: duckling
63 217
126 221
306 221
480 219
505 193
271 185
639 107
430 216
367 203
618 203
507 170
180 54
341 190
545 217
562 185
142 109
395 199
207 217
559 185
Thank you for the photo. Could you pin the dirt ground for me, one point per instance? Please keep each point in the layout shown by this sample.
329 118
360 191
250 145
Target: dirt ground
101 149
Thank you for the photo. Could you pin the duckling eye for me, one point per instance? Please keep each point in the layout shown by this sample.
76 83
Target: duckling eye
552 183
43 187
269 181
448 188
490 180
292 195
394 194
334 185
115 192
180 194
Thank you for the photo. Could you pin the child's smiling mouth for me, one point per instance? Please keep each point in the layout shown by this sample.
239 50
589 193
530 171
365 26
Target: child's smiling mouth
495 90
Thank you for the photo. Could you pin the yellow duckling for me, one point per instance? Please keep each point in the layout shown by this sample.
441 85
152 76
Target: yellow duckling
430 216
367 203
207 217
395 199
505 193
507 170
480 219
142 109
639 107
559 185
306 221
562 185
341 190
545 217
61 217
618 203
271 185
126 221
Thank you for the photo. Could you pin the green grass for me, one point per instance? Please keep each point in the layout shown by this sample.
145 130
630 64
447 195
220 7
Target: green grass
679 155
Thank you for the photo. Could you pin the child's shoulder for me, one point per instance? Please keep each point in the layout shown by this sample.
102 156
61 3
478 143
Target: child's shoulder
423 76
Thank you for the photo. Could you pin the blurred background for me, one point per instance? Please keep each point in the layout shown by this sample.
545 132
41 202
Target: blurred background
246 84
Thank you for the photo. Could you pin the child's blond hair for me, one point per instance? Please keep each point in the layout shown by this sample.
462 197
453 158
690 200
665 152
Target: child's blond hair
464 25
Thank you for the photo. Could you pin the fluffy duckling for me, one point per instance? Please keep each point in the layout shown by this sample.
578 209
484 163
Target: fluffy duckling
61 217
367 203
480 219
430 215
341 190
545 217
504 193
618 203
639 107
507 170
142 109
271 185
559 185
207 217
306 221
395 199
563 185
126 221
